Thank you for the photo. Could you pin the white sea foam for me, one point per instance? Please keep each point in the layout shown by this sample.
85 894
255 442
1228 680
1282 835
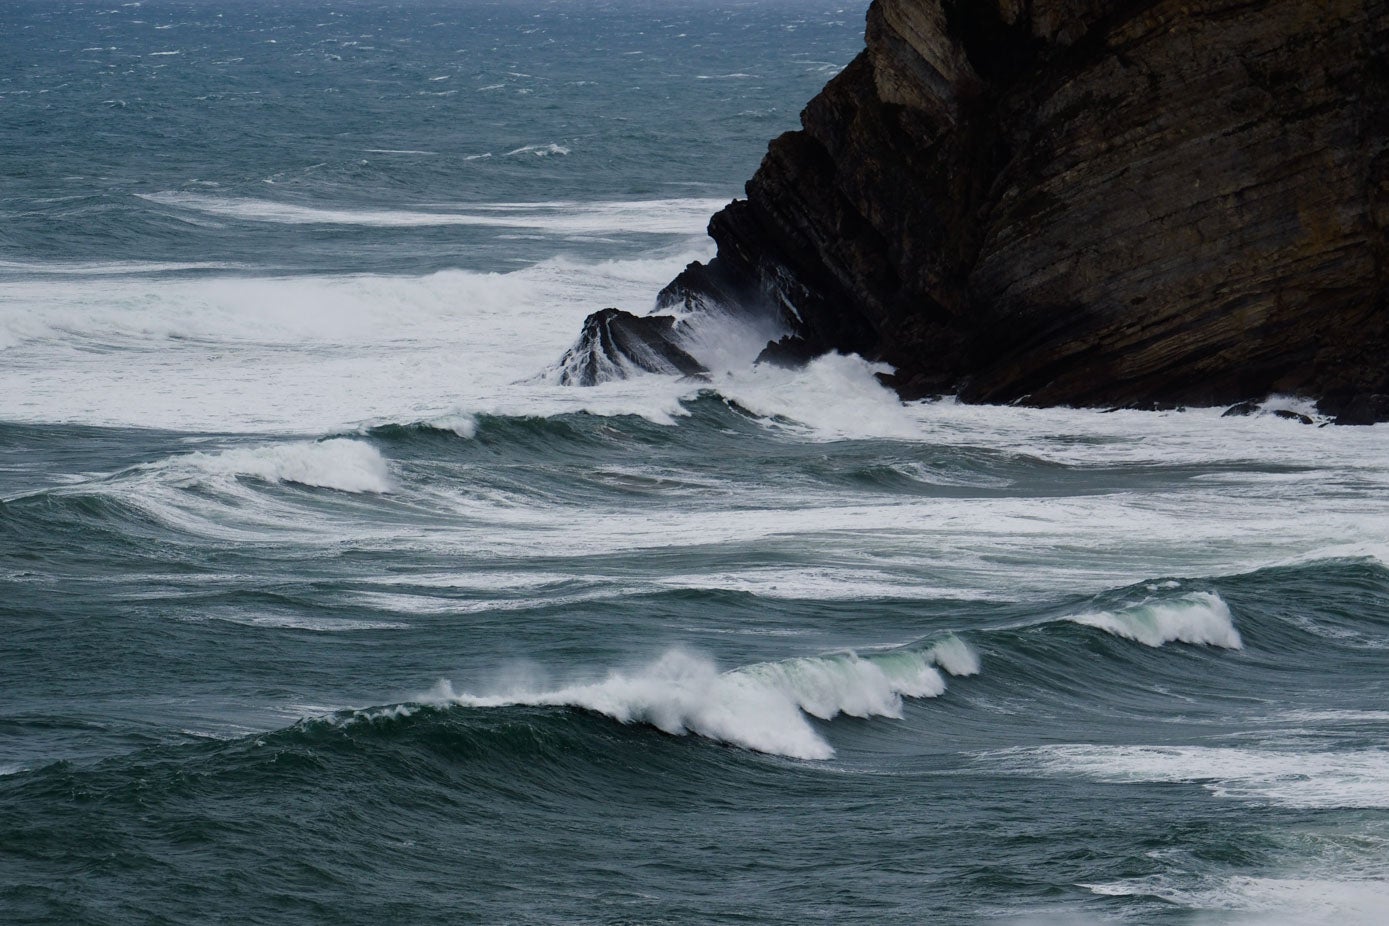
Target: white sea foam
1199 617
1333 717
1377 550
1296 405
324 354
489 580
109 268
823 584
540 151
763 707
1303 901
1298 899
974 548
339 463
439 605
1304 780
833 397
1198 436
316 624
922 472
979 548
314 354
262 311
655 217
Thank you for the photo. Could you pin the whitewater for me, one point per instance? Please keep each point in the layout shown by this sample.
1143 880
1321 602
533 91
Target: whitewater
325 601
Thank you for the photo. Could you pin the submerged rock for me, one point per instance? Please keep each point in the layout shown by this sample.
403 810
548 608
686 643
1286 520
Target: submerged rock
1365 408
1241 410
1086 202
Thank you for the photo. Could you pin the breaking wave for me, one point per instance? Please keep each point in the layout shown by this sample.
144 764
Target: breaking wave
339 463
765 707
1199 617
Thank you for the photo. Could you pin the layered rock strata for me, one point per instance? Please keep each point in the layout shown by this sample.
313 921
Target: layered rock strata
1085 202
614 343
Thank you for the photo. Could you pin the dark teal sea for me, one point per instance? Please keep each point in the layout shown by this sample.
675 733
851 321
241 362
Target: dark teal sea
322 602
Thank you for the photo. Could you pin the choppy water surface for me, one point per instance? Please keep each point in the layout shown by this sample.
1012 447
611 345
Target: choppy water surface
322 602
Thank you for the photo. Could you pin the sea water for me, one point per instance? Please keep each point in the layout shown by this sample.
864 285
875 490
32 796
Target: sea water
324 603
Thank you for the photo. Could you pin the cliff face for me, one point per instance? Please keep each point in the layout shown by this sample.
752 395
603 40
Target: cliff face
1088 202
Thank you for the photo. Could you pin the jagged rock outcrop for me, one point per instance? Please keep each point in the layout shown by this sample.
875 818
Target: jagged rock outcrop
1088 202
614 343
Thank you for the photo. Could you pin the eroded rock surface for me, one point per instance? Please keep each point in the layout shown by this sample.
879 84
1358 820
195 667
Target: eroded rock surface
1089 202
615 343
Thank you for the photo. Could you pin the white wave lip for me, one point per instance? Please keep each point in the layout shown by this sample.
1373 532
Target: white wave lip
765 707
341 464
955 656
1303 780
1198 618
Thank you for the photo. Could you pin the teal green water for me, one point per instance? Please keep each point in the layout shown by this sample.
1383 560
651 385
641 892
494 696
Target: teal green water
324 603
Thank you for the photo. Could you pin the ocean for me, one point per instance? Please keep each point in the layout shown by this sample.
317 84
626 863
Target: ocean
324 602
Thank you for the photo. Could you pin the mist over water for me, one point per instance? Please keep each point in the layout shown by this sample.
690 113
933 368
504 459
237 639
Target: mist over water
324 602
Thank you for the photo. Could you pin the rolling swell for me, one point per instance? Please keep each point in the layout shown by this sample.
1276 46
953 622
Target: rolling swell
551 747
1042 670
1135 652
704 415
571 457
486 788
363 565
1065 654
450 799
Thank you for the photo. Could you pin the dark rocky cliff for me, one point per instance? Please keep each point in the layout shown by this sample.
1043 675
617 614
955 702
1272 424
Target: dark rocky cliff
1087 202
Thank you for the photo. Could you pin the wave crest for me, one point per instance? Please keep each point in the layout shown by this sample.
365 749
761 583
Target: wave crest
339 463
764 707
1198 618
